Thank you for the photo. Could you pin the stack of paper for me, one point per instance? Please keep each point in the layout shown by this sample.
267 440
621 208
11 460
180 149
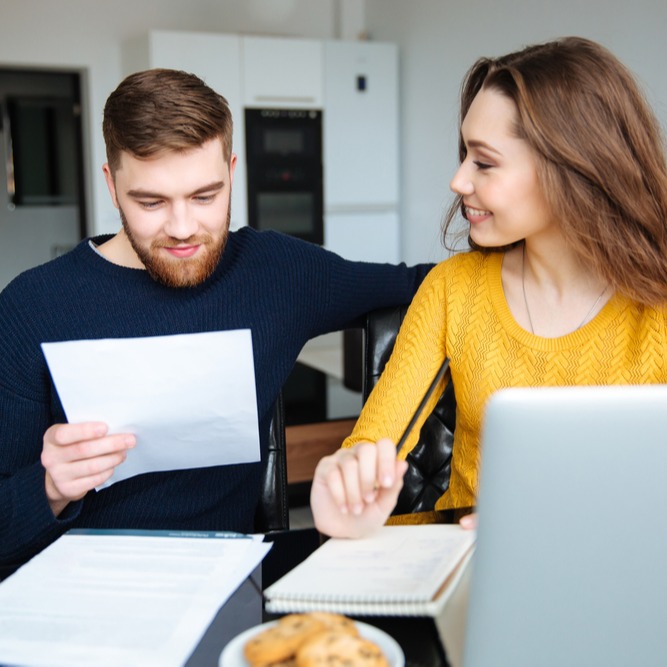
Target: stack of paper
121 597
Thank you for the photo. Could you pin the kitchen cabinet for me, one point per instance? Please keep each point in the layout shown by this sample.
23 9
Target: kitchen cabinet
361 150
214 58
360 124
282 73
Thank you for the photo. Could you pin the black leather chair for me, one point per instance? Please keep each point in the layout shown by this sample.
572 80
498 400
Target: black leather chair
428 475
429 462
273 508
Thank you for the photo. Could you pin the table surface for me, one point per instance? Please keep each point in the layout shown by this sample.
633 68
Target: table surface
418 637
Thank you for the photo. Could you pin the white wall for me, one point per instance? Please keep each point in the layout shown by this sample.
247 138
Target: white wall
440 39
87 35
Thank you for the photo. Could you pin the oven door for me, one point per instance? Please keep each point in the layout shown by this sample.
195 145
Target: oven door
284 162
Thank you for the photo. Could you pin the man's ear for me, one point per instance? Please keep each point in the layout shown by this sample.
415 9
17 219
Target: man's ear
232 167
111 184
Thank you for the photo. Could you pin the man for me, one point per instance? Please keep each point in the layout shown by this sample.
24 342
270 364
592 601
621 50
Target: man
174 267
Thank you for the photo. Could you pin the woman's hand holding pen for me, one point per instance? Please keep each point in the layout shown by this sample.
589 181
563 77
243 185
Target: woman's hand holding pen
354 490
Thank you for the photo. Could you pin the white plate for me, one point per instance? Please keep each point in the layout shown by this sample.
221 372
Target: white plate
232 655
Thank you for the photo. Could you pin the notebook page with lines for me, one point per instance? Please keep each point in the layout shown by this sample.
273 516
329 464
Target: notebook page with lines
396 571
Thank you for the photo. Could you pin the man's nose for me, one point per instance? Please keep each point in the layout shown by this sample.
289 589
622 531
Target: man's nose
182 222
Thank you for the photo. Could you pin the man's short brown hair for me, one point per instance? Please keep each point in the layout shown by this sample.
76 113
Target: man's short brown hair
160 110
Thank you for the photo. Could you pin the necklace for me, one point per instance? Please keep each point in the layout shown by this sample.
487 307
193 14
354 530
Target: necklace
525 300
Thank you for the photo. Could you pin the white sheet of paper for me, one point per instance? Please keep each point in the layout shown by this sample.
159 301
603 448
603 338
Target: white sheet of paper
189 398
117 598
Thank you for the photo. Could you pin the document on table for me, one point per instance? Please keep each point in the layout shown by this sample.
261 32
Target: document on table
121 597
190 399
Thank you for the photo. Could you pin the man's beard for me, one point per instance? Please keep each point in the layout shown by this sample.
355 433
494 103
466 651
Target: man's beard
186 272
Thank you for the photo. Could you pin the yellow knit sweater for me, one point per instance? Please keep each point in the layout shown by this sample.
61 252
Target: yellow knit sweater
460 311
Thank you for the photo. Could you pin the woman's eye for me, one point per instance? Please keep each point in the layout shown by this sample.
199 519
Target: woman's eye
482 165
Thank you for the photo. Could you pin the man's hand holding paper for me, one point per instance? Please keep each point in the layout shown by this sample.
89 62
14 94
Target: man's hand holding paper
187 401
80 457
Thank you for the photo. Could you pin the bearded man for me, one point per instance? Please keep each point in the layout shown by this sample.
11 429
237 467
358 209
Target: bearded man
174 267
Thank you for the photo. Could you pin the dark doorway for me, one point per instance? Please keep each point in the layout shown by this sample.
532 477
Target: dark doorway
42 194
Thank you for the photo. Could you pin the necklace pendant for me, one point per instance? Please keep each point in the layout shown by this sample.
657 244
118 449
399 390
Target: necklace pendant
588 315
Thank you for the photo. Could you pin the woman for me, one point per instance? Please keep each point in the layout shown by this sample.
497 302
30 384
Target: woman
563 184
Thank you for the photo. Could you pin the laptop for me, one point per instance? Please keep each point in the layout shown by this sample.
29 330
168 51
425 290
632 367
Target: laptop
570 567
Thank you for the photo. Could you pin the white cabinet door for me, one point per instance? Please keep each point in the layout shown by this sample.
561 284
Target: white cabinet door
368 237
282 72
216 59
360 125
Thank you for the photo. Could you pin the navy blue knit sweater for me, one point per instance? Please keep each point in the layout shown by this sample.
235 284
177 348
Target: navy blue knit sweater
284 290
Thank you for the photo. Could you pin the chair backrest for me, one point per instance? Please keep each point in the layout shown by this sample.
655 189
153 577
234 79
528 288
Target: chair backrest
429 462
273 508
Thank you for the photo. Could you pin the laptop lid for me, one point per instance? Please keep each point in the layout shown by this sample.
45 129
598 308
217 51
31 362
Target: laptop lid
571 560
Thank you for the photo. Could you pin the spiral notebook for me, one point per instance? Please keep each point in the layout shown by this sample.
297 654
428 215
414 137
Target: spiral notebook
397 571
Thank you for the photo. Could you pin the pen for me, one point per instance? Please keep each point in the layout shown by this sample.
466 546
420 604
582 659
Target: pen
439 375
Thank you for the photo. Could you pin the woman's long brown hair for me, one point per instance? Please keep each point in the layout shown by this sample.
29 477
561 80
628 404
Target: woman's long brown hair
601 156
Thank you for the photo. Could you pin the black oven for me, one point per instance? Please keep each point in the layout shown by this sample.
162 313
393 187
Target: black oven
284 163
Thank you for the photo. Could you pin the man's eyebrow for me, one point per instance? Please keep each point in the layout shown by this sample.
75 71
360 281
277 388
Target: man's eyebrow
211 187
147 194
